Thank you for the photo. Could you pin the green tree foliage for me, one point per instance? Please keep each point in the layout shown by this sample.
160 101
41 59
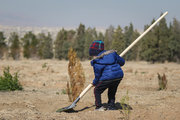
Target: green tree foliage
48 47
174 41
154 47
118 42
3 46
128 38
163 40
108 37
64 40
80 41
65 48
14 45
61 37
136 49
30 45
45 46
68 43
90 36
121 40
100 36
149 46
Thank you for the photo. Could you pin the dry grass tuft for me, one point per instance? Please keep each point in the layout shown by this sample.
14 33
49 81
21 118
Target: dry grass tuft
76 74
162 81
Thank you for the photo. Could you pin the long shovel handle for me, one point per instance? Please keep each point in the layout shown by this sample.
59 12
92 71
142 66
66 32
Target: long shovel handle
145 32
85 90
128 48
80 96
123 53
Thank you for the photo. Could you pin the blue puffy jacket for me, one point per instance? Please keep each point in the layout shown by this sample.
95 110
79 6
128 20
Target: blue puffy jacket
107 66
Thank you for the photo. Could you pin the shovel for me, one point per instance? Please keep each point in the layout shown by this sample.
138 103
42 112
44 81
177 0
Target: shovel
70 108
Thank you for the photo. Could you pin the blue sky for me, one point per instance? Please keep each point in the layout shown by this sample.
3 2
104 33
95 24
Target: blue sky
92 13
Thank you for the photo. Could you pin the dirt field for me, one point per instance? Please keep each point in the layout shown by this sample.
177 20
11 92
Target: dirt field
44 81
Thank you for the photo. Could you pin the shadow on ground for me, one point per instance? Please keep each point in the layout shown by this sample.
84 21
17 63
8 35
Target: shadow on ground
118 106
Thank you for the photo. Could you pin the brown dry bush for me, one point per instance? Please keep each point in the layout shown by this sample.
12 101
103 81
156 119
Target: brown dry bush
76 74
162 81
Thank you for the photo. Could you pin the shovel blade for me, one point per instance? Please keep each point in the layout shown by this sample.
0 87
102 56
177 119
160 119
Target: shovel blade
66 109
69 108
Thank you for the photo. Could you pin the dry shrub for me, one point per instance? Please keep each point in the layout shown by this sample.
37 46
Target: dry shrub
76 74
162 81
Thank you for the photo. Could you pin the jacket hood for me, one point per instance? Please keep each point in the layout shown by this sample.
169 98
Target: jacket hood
105 57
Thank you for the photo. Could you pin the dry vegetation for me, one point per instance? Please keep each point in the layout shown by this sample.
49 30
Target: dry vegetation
76 74
44 80
162 82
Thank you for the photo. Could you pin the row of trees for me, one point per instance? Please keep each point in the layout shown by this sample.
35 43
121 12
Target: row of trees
161 44
30 45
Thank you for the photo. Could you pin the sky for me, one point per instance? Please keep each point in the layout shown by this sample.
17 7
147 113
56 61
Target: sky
91 13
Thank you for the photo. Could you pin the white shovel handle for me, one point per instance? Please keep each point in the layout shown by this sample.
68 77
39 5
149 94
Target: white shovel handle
127 49
145 32
85 90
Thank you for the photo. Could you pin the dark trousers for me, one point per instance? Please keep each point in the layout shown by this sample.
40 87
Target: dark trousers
112 86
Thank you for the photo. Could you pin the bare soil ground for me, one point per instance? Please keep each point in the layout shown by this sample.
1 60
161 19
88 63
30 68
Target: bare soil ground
44 81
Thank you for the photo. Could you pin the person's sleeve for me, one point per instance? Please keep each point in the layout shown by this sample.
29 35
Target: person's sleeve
98 69
120 60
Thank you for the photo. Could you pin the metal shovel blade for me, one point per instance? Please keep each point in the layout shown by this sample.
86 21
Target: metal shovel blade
69 108
66 109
